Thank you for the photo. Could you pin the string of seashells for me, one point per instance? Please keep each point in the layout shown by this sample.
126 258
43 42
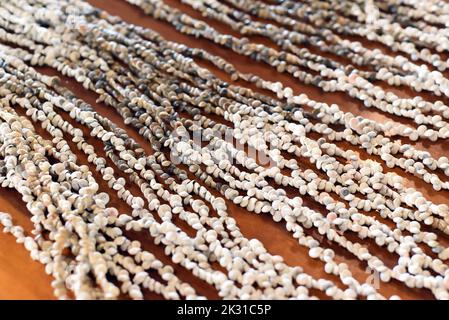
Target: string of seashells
150 81
415 108
325 73
78 218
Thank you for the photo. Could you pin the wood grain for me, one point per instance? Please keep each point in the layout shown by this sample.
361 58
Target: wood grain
22 278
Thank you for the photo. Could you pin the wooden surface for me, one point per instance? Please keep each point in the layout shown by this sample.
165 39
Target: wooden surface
22 278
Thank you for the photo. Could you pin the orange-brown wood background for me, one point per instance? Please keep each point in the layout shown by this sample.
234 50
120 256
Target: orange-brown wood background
22 278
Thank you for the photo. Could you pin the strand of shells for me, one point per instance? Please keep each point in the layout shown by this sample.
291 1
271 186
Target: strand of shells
150 81
325 73
78 218
373 142
244 265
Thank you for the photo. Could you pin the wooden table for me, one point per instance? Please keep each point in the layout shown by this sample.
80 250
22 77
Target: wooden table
22 278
